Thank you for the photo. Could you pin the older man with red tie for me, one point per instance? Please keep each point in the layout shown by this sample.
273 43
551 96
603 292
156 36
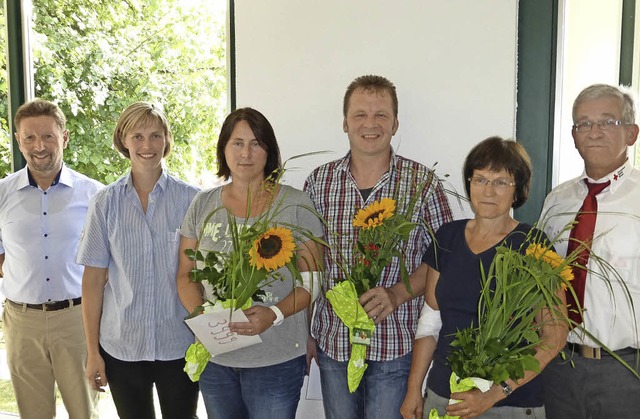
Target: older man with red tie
604 206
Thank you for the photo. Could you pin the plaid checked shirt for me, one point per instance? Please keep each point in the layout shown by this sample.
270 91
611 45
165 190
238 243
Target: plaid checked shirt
336 196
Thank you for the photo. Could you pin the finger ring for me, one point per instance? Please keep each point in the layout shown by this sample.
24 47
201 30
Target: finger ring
250 330
382 306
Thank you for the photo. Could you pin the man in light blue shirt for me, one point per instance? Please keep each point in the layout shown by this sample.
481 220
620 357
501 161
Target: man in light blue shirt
42 211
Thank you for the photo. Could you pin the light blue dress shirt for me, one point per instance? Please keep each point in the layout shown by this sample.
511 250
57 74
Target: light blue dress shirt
142 317
39 233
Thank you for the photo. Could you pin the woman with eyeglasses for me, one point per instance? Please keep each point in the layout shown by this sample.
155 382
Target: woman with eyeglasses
497 175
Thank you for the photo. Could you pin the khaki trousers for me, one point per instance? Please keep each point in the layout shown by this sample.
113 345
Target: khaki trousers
43 348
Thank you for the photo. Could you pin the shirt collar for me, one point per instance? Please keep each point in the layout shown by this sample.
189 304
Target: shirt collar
63 177
617 177
161 183
344 163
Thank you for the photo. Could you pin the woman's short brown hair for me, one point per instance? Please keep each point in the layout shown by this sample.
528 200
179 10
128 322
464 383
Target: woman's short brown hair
141 115
496 153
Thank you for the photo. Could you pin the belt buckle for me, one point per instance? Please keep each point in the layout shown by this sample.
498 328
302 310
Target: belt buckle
55 305
590 353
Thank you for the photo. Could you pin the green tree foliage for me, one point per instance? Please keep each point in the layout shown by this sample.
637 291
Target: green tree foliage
95 58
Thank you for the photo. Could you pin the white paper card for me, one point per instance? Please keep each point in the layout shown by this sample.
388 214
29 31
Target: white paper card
212 329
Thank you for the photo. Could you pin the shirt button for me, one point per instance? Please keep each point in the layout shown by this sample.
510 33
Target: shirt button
46 235
48 279
45 213
46 257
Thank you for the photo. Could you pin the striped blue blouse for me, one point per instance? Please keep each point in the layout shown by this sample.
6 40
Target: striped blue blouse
142 317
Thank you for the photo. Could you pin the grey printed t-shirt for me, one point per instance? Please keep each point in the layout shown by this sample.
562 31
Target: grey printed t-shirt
279 343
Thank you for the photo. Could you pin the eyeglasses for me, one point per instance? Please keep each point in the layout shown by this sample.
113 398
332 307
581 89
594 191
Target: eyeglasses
500 184
603 124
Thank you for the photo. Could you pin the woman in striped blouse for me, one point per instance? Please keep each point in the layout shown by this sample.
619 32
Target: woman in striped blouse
133 318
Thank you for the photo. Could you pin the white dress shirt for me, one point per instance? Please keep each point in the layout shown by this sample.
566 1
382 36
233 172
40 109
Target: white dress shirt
609 305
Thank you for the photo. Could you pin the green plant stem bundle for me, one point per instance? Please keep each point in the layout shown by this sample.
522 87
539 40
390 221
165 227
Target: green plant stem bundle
503 343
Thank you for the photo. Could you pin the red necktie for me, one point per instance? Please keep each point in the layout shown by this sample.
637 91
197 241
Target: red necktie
581 235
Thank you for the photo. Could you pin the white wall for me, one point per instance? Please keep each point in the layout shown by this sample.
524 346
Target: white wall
588 53
453 62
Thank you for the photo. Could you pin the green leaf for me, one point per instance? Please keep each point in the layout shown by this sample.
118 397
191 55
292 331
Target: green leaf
530 363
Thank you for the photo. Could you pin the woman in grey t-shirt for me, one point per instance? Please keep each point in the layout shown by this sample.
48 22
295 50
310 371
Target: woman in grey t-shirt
263 380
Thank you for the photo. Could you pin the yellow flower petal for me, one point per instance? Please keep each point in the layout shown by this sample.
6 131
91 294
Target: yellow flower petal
374 214
273 249
552 258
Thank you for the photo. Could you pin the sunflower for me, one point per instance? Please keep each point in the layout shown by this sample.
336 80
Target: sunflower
552 258
273 249
374 215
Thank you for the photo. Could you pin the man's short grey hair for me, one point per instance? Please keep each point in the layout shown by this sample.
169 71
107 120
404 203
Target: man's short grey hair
597 91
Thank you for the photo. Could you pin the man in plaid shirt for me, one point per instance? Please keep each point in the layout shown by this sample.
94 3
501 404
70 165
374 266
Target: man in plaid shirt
369 172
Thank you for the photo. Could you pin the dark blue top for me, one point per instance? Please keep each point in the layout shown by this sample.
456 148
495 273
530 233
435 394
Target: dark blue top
457 293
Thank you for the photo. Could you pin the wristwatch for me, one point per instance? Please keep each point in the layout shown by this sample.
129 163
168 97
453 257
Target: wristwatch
278 313
506 388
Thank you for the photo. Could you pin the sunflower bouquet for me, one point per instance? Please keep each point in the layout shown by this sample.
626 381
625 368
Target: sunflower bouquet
502 345
381 229
238 276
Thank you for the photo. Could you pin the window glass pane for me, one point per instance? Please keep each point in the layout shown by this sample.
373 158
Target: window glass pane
95 58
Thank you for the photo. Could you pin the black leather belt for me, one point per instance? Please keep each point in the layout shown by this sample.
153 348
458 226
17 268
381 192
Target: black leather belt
53 306
596 353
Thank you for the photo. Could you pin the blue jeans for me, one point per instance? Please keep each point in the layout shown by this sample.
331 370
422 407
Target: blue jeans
242 393
379 395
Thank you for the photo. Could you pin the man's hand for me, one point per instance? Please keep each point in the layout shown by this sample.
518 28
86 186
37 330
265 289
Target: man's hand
378 303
